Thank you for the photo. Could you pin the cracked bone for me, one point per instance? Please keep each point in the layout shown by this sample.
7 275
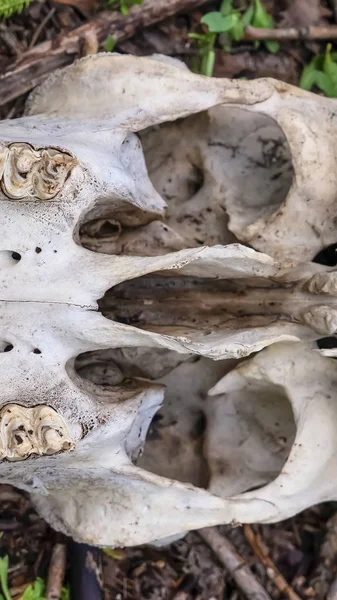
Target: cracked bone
101 252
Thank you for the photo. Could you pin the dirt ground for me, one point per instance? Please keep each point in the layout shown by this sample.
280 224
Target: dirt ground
302 549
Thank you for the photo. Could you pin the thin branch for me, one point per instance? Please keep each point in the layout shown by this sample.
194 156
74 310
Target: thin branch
41 27
34 65
234 564
56 571
292 33
273 573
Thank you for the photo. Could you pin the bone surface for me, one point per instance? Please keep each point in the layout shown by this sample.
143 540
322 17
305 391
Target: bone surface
129 192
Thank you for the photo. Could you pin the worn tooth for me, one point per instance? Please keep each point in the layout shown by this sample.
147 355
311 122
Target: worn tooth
26 431
33 173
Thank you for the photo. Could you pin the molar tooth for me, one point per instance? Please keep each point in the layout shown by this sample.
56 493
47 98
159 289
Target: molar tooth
25 431
34 173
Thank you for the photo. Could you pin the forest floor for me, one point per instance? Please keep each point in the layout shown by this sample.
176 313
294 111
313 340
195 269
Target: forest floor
302 549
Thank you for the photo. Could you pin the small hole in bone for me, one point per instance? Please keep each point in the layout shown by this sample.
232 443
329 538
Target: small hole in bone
8 258
36 351
6 347
327 256
38 250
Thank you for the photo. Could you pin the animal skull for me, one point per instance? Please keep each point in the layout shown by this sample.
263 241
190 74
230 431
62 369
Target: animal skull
127 300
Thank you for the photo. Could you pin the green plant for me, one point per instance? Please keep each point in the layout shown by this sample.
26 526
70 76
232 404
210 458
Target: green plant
4 578
34 591
322 72
65 594
229 24
11 7
115 553
123 5
109 43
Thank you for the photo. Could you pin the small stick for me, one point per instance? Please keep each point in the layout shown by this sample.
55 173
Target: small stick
234 564
41 27
56 571
311 32
273 573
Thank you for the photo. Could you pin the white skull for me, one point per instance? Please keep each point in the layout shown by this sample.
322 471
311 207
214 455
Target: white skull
124 288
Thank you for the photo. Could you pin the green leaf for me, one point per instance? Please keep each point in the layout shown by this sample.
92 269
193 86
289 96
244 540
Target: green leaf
124 8
115 553
11 7
197 36
325 84
237 31
308 77
261 17
109 43
330 67
226 7
218 23
248 16
35 591
4 577
272 46
65 594
322 72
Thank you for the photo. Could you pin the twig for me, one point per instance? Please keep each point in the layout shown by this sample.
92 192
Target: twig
90 44
234 564
312 32
41 27
273 573
56 571
34 65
